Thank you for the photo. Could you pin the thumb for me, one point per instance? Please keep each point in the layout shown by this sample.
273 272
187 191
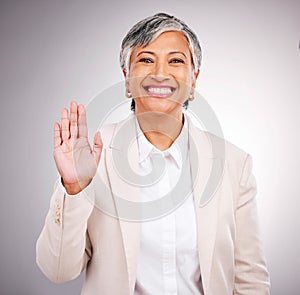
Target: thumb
97 147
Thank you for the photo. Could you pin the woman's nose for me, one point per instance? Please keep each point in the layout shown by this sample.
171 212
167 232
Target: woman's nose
160 72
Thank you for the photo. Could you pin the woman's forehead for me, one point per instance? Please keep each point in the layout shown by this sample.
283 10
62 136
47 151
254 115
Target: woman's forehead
166 42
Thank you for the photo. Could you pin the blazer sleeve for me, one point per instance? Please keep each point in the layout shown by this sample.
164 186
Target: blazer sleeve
251 275
63 247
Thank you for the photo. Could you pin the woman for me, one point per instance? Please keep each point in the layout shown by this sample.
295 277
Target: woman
97 221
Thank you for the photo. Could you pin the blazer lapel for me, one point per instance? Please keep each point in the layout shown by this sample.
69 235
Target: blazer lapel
206 171
121 163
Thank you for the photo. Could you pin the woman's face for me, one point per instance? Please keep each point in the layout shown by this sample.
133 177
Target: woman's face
161 75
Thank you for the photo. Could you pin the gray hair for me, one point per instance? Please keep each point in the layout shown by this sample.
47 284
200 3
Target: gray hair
145 31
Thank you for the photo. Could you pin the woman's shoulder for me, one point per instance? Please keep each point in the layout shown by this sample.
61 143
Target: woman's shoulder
110 130
216 146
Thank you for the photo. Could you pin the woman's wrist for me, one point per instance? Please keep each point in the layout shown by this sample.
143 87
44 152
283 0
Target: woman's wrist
75 188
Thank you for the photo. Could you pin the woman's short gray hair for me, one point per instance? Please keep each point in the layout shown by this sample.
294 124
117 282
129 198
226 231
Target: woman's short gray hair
145 31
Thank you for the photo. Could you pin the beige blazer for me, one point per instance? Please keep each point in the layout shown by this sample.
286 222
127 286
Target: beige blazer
77 235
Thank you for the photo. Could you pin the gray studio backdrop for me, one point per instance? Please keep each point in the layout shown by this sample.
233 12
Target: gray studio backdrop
52 52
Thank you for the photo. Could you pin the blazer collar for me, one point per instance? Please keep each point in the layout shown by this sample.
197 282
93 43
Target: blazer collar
125 134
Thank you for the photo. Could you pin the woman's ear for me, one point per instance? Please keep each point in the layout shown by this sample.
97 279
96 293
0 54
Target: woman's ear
127 92
126 76
195 76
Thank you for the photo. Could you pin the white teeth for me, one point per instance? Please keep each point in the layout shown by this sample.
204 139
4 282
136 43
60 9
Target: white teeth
160 90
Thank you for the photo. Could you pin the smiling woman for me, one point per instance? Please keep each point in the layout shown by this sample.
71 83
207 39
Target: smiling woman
155 239
161 78
164 64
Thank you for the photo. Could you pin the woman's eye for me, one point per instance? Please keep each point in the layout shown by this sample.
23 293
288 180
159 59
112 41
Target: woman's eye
146 60
176 60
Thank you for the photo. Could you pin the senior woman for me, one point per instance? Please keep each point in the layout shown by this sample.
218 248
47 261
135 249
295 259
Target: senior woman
171 247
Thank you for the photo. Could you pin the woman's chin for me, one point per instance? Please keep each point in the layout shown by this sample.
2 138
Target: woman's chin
159 105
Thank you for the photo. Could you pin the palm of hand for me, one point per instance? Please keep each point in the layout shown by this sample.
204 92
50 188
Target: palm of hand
76 161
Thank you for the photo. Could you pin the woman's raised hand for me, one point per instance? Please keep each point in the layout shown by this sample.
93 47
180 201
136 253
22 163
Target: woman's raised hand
75 160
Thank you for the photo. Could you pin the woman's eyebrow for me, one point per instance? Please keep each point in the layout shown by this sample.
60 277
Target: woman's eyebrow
176 52
149 52
170 53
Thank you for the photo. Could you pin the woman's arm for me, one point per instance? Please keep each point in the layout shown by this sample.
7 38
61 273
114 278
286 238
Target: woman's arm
251 275
63 248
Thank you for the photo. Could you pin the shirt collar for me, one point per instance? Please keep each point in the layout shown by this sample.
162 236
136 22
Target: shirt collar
177 150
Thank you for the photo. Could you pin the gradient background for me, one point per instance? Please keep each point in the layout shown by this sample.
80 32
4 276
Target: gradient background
52 52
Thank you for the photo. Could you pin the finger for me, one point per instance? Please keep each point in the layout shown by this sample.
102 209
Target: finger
73 119
57 135
82 126
97 148
65 133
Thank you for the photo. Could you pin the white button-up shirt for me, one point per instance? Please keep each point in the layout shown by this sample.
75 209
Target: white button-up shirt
168 261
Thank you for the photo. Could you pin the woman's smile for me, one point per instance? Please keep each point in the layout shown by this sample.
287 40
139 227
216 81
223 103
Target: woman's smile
160 91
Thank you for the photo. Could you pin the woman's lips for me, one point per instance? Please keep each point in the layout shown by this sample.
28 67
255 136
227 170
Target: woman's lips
159 91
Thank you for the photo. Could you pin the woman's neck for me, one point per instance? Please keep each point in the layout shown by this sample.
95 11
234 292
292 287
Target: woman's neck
160 129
